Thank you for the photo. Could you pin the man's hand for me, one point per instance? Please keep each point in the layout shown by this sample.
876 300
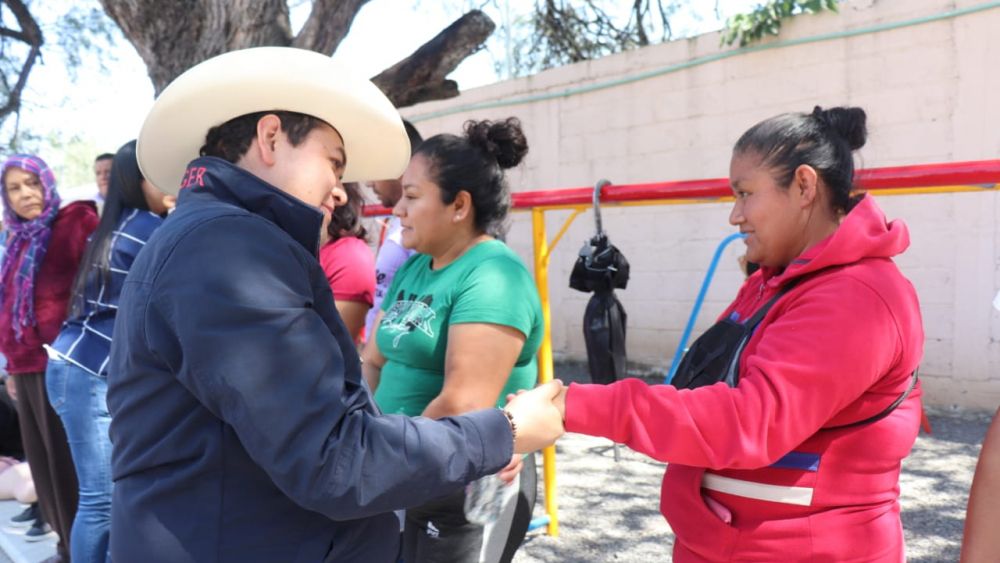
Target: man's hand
560 403
539 422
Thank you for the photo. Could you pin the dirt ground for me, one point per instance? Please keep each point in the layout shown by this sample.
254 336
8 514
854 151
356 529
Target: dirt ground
608 511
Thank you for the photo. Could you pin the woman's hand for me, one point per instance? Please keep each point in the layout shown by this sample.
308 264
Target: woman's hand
560 403
539 421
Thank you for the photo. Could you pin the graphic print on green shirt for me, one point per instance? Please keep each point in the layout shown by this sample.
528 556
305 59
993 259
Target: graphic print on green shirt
407 315
487 284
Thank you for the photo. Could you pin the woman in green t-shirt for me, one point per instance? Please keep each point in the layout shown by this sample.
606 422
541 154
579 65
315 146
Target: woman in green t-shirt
461 323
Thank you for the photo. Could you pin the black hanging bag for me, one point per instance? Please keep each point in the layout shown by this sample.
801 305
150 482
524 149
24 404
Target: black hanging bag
715 355
601 268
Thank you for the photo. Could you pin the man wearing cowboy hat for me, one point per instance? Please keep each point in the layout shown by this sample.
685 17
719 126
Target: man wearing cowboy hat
242 429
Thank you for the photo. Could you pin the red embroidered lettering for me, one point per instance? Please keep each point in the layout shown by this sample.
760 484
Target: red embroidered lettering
184 181
192 175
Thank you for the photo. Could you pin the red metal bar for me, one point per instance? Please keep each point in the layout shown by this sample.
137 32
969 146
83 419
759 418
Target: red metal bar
376 210
970 173
980 172
687 189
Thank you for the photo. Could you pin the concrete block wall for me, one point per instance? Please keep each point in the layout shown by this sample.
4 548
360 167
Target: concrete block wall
930 93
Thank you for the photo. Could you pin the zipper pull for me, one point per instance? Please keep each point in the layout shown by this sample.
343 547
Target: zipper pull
760 295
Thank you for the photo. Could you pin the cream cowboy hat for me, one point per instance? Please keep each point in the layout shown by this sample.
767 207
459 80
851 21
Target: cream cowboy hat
271 78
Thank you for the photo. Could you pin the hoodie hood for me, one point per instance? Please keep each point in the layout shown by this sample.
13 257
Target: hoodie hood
863 233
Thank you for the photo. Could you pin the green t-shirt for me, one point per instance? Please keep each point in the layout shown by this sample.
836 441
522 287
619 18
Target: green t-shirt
487 284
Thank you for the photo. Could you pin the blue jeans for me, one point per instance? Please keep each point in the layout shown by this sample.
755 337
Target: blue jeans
80 400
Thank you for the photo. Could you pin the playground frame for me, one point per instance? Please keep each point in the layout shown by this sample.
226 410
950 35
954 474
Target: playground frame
941 178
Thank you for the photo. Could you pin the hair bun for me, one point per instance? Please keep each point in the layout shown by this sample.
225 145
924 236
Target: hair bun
503 140
847 122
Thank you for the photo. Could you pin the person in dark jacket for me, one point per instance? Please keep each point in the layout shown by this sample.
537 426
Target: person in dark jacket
241 427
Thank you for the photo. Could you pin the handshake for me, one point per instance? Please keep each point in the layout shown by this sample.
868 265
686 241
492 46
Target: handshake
538 416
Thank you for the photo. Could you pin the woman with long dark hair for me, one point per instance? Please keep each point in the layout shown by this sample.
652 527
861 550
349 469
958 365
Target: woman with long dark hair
43 251
77 370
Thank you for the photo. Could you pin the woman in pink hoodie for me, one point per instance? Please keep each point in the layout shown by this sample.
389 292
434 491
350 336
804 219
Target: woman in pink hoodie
802 401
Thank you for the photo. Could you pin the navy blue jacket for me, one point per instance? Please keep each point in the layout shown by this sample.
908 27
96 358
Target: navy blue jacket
242 430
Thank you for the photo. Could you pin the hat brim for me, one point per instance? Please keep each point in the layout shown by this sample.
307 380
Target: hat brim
271 78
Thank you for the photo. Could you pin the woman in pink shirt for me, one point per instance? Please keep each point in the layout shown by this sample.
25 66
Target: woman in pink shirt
349 264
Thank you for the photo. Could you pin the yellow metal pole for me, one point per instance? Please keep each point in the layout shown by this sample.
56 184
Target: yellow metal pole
555 240
545 370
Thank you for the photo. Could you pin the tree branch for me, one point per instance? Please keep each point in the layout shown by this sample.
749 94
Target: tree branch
421 76
13 34
32 35
327 25
172 36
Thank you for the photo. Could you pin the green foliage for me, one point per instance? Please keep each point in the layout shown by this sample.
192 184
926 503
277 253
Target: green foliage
81 31
766 19
70 156
559 32
21 140
73 159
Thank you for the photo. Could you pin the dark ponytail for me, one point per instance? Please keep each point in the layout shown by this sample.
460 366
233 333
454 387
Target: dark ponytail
475 163
124 194
824 139
346 219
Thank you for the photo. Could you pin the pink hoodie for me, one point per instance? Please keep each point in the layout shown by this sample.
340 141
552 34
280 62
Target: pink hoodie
838 348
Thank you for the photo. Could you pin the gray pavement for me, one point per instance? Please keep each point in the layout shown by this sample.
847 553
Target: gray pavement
13 548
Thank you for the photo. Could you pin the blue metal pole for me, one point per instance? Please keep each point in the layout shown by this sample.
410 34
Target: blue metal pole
538 522
697 304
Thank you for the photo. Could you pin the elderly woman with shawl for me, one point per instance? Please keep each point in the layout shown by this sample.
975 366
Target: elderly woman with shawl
44 247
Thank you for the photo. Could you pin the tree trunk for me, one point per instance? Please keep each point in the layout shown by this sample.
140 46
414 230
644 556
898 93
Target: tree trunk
174 35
